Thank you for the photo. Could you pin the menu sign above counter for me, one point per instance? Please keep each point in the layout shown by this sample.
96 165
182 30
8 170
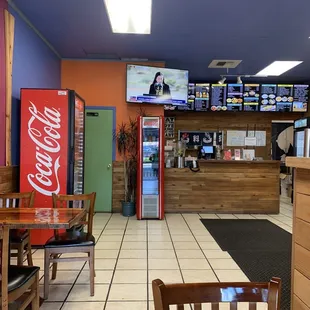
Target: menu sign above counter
218 97
245 97
301 98
284 98
268 97
234 97
251 97
190 99
202 97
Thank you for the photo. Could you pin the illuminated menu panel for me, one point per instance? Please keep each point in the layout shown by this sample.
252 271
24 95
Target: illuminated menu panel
251 97
234 97
218 97
301 98
284 99
268 97
202 97
190 99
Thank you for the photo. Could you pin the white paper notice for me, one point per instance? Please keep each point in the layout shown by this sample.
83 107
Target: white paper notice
250 141
235 137
260 137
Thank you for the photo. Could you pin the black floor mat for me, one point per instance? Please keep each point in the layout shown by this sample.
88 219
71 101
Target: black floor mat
260 248
248 235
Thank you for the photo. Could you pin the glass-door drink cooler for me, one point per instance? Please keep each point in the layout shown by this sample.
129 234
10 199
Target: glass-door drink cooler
52 147
302 137
150 172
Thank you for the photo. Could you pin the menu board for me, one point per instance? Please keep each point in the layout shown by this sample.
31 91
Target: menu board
284 99
234 97
190 99
251 97
300 98
245 97
202 97
218 97
268 97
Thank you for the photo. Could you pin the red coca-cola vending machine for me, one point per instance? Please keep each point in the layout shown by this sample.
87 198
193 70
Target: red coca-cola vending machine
51 147
150 173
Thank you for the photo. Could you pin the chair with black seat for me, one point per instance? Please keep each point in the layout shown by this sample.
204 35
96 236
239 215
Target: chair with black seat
19 284
72 241
214 294
19 238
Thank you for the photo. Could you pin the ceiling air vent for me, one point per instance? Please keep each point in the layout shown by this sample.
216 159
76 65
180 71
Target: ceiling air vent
220 64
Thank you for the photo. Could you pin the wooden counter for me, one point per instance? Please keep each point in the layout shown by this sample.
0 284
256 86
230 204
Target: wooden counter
224 187
301 233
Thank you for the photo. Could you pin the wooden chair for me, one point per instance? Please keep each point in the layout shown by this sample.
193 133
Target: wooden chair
19 238
216 293
18 283
72 241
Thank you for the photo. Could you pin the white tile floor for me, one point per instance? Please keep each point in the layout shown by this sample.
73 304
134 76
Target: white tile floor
131 253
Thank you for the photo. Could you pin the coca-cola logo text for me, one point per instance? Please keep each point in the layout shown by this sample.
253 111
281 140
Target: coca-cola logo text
46 180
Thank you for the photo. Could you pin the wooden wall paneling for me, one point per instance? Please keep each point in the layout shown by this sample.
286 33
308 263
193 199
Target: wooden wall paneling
9 21
298 304
302 287
224 188
118 186
301 232
303 210
8 179
231 121
302 259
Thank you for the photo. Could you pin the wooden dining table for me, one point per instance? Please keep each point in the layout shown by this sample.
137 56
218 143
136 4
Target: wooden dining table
38 218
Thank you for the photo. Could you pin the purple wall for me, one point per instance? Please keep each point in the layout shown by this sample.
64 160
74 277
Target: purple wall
34 66
3 5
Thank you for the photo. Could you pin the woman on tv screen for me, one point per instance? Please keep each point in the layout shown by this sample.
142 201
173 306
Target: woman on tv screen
159 87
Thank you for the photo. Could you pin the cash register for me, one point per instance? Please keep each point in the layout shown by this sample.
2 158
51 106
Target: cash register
206 152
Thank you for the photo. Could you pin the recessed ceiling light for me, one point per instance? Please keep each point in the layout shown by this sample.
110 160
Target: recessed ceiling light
278 67
130 16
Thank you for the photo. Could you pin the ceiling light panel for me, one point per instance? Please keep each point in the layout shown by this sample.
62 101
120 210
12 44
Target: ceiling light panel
130 16
278 67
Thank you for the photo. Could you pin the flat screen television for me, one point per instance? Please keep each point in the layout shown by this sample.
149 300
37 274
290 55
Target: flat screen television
156 85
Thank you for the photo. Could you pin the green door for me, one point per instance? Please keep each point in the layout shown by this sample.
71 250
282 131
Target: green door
98 157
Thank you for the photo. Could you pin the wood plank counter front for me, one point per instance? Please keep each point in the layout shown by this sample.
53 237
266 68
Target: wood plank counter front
301 233
224 187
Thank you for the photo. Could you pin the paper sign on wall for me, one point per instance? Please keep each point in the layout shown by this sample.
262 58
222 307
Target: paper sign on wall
237 137
260 137
250 141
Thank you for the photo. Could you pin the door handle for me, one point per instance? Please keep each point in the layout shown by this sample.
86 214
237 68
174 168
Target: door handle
109 166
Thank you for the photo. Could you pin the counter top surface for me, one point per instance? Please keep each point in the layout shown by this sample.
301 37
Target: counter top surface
201 161
298 162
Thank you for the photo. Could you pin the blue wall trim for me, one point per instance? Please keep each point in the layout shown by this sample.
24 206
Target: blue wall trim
113 109
35 65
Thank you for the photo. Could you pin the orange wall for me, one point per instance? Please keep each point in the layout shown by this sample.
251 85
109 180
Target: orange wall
103 83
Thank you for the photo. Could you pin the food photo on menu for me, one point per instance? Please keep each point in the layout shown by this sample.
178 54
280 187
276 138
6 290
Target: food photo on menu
251 97
268 97
156 85
234 97
284 99
301 98
218 97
